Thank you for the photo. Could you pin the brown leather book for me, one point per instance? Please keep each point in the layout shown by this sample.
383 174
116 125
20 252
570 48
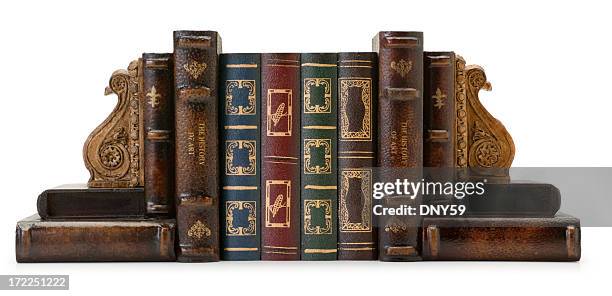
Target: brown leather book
514 199
158 122
94 240
76 201
502 239
400 132
280 143
357 135
439 109
196 55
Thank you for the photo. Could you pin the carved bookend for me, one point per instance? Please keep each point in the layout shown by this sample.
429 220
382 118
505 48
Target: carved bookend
113 152
483 144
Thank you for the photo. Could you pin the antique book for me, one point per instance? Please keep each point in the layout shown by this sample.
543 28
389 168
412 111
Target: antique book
502 239
357 139
76 201
439 109
158 110
240 112
319 169
515 199
196 57
400 132
280 143
99 240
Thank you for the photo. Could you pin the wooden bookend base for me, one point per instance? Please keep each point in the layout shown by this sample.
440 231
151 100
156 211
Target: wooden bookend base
113 152
483 145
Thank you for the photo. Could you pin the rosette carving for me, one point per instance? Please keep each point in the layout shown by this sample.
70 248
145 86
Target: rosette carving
113 151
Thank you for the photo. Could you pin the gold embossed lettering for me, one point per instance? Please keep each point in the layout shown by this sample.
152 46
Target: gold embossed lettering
202 143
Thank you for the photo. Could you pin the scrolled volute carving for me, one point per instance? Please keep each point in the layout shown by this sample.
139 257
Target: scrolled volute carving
113 152
483 143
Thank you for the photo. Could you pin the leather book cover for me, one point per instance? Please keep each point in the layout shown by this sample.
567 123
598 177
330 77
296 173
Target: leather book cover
158 111
240 111
357 150
280 143
502 239
319 169
76 201
109 240
196 57
400 132
439 109
514 199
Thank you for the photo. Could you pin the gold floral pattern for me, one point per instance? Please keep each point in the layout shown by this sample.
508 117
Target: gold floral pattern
195 69
439 97
199 230
402 67
153 97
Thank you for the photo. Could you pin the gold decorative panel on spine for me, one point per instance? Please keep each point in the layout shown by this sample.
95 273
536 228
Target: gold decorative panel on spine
357 141
113 152
362 222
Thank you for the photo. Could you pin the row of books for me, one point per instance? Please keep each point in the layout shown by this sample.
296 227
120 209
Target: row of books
270 156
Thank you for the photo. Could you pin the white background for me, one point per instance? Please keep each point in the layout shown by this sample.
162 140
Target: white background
549 64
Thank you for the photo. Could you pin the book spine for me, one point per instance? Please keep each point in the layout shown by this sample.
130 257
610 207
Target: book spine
280 141
240 87
400 131
81 203
502 239
439 109
357 148
158 87
319 168
94 241
439 122
197 169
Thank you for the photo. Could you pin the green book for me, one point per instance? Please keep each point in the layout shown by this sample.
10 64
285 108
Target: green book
319 169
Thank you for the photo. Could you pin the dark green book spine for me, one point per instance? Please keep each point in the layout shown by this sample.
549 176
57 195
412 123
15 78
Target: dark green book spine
319 194
240 153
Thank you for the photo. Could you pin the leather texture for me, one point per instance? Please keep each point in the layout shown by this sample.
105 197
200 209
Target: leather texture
502 239
280 141
319 167
357 150
76 201
158 111
439 109
94 240
240 112
515 199
400 132
196 55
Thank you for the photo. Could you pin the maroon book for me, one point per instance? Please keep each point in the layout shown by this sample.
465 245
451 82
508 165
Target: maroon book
280 142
